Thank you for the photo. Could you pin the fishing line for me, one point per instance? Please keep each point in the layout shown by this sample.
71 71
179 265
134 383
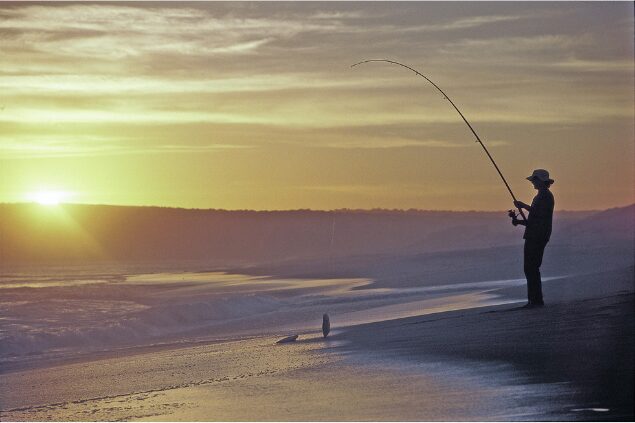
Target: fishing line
478 139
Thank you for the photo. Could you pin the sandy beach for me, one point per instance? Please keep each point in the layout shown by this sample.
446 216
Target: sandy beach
317 211
571 360
580 344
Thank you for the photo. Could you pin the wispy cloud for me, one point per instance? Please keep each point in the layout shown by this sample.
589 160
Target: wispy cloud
627 66
106 84
33 115
387 143
469 22
49 146
268 86
518 51
117 32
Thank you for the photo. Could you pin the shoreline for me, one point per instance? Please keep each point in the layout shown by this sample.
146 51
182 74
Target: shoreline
581 340
474 364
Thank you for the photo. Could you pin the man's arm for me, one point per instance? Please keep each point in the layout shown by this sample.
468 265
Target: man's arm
516 222
521 205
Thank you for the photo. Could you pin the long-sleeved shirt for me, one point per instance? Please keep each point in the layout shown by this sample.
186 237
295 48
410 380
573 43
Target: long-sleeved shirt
540 216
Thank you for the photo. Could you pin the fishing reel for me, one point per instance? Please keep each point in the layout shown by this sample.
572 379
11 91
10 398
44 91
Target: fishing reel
514 216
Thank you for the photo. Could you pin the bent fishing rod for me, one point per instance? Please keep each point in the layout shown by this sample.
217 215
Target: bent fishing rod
478 139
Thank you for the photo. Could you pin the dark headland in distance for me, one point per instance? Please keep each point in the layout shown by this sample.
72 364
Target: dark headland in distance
393 247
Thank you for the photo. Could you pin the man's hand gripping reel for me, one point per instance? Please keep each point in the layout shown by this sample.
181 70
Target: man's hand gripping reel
514 216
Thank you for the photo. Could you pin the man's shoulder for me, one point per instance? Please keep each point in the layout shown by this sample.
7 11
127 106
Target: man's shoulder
545 193
546 198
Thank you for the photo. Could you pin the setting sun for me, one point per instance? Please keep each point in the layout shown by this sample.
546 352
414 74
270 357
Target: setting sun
49 198
317 210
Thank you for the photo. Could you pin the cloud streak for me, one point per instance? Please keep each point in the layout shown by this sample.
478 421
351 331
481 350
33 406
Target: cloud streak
268 88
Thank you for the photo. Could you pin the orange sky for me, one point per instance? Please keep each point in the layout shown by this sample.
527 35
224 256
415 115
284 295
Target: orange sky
254 105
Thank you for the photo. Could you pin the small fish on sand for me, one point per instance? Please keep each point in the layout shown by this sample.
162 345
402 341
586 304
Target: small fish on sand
288 339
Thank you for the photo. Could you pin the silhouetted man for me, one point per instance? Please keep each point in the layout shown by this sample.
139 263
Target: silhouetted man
537 233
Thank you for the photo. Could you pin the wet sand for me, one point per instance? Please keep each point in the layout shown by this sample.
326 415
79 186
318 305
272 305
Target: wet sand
581 341
256 380
485 363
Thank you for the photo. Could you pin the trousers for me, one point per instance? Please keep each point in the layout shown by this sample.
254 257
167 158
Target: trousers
534 250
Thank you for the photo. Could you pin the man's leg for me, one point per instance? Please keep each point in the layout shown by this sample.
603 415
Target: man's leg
540 250
533 259
529 268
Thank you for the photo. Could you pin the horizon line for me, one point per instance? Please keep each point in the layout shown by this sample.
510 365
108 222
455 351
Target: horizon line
344 209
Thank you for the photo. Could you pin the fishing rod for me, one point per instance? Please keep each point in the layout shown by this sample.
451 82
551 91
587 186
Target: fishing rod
478 139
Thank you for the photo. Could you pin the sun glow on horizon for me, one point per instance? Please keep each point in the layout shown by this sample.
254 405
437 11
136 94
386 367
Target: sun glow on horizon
213 105
49 198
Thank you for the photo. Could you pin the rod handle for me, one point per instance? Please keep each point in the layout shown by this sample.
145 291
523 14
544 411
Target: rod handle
522 214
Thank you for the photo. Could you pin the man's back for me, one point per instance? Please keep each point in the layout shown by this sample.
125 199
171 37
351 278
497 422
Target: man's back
540 216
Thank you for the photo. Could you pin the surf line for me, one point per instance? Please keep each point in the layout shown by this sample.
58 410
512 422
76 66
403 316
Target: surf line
445 96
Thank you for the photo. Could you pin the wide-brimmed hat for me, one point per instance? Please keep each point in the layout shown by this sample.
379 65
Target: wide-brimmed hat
541 175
